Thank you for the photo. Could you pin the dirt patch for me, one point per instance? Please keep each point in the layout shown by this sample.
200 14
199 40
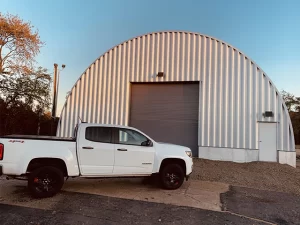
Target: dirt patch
260 175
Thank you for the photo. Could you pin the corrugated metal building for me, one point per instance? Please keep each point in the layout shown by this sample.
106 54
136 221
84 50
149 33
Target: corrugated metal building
188 89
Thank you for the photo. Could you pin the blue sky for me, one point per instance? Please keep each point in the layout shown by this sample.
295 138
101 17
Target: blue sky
77 32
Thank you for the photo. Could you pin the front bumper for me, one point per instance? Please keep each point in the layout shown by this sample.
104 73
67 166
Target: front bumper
189 166
189 169
188 176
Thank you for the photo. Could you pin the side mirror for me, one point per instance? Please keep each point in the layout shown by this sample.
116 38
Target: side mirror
150 144
147 143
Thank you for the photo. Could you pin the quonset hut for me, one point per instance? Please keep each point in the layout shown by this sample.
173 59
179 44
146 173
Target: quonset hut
189 89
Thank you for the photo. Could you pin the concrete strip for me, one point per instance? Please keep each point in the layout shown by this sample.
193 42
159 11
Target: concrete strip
198 194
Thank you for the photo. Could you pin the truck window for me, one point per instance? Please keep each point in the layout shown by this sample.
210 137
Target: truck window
99 134
130 137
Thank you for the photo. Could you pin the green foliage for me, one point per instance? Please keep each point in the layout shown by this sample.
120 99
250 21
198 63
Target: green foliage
292 103
295 118
33 90
20 118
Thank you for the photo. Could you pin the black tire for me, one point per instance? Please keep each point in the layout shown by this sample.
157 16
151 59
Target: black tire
45 181
172 176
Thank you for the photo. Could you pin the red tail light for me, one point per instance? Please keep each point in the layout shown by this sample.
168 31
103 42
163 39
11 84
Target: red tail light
1 151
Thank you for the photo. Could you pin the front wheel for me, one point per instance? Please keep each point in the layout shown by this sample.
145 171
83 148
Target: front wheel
45 182
172 176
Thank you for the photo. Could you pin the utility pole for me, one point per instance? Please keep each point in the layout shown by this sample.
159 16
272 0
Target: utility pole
54 91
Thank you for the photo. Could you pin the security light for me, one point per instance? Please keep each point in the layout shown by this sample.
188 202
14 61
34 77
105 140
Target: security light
268 114
160 74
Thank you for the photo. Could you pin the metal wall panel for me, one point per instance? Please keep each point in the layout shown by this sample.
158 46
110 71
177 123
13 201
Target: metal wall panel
234 90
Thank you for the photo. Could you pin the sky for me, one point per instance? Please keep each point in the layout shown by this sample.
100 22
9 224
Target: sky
77 32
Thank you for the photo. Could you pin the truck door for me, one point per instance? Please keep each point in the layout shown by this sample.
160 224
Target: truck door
133 156
96 151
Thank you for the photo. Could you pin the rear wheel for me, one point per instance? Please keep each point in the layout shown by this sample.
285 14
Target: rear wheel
172 176
45 181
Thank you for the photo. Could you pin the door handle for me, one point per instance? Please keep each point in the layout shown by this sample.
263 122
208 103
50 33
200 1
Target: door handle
122 149
87 147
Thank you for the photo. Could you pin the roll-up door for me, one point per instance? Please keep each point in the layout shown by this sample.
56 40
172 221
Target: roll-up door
167 112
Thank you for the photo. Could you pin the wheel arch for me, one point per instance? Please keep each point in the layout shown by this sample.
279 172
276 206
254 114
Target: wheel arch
47 161
168 161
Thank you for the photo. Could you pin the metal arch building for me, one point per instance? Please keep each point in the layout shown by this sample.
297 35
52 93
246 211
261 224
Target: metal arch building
186 88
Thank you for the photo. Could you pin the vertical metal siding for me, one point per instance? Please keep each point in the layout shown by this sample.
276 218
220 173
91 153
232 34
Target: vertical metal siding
234 90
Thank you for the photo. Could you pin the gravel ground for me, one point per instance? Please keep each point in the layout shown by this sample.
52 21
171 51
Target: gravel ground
260 175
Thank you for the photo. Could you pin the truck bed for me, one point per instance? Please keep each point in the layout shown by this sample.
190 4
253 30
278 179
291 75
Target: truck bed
38 137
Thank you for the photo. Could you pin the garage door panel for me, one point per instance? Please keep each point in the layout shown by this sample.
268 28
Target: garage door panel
172 116
178 132
167 112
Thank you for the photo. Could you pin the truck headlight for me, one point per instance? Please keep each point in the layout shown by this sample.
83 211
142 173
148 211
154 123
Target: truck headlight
189 153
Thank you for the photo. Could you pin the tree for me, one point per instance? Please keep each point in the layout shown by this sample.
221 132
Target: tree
295 118
33 89
24 88
19 45
19 80
22 119
292 103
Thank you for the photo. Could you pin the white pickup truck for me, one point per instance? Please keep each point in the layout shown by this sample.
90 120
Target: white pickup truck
96 150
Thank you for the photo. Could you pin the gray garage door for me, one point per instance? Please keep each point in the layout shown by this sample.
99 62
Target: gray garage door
167 112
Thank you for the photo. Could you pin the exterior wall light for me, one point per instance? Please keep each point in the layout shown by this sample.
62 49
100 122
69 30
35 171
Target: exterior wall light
268 114
160 74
